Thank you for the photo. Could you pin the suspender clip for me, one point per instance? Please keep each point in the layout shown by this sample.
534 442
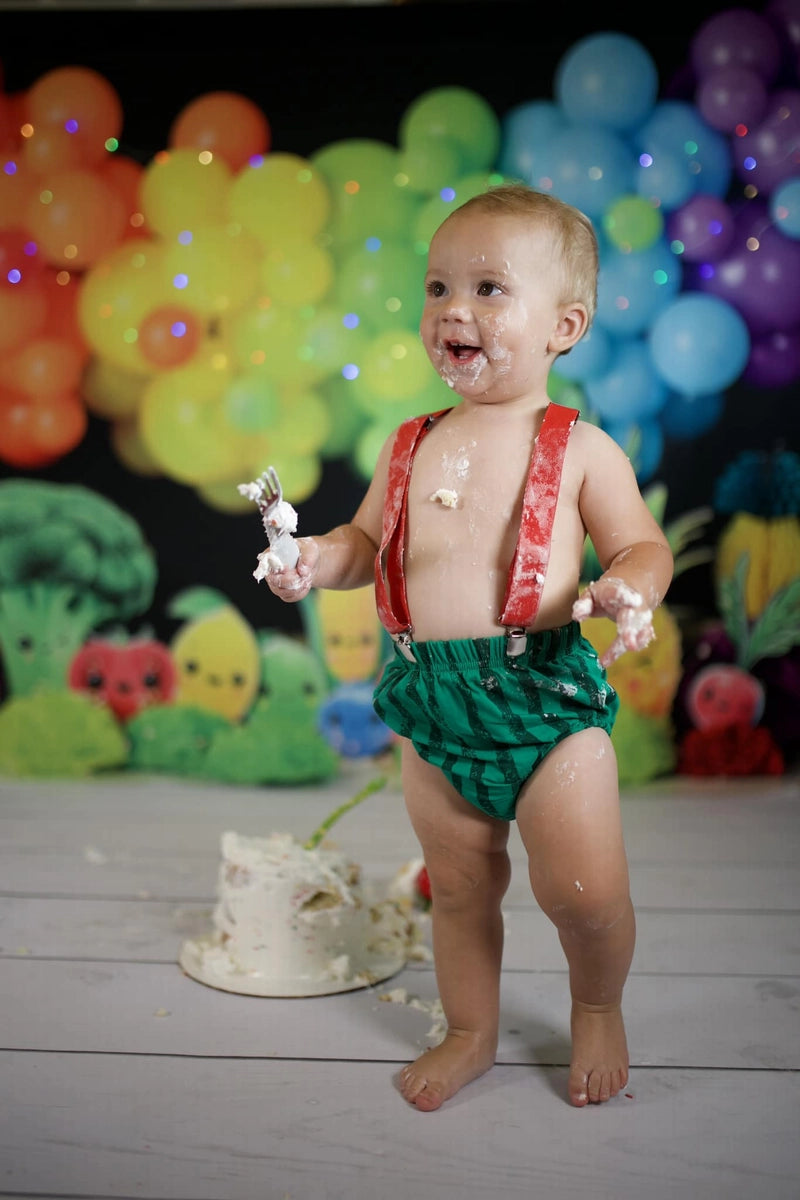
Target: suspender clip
516 642
403 643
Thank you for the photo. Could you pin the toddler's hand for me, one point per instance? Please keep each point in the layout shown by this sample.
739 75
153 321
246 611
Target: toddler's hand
613 598
293 583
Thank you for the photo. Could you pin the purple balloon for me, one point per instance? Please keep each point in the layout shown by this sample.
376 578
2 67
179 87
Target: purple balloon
774 359
732 96
770 153
704 226
784 15
758 276
737 37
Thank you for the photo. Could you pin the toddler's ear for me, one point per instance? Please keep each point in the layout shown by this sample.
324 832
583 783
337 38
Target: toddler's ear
572 325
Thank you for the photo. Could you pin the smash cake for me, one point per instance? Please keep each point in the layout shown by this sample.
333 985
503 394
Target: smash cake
294 919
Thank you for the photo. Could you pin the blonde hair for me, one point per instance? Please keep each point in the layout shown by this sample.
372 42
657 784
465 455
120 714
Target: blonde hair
573 234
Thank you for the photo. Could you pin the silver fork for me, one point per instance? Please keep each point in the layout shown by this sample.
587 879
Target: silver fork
277 516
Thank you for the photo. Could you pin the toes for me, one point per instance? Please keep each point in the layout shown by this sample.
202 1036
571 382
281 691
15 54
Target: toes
577 1088
418 1091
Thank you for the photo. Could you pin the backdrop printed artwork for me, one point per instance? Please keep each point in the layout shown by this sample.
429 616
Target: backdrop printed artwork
213 231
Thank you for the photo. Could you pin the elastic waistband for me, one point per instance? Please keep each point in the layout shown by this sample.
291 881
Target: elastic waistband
461 653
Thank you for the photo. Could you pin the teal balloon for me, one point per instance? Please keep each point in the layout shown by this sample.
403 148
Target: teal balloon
699 344
784 207
589 358
691 155
460 115
686 417
525 130
585 166
632 289
607 79
631 389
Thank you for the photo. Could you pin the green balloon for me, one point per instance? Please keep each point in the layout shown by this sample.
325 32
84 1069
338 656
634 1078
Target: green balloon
455 113
434 210
368 197
632 223
385 286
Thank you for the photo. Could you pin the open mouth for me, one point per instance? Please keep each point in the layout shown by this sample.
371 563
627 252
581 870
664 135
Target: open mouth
462 352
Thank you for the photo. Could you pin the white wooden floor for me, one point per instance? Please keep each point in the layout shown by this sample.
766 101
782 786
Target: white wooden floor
120 1076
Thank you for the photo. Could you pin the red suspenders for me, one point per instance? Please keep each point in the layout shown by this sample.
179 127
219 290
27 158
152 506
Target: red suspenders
529 565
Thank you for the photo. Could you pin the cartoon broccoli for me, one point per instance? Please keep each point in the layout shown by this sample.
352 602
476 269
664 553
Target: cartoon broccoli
71 561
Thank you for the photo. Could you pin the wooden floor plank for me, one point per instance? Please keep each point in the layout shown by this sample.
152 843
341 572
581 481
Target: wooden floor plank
246 1130
143 1008
741 943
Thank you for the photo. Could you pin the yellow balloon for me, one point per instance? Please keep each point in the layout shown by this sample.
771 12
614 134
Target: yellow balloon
110 391
395 366
274 340
280 195
304 423
300 475
184 189
225 496
185 431
116 294
296 271
126 441
214 268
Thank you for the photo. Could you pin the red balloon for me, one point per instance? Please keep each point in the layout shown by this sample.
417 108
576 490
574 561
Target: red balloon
36 431
225 123
170 335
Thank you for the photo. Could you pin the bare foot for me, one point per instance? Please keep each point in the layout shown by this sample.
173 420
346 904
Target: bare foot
440 1072
599 1067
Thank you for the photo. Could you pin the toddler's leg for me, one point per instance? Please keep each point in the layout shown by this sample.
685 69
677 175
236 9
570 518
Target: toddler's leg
465 854
569 821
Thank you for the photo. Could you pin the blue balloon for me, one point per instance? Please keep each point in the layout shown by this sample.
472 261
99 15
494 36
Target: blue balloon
699 344
676 128
689 416
632 289
588 359
642 441
784 207
587 167
607 79
523 132
631 390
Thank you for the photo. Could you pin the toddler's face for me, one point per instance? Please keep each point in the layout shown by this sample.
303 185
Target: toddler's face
493 292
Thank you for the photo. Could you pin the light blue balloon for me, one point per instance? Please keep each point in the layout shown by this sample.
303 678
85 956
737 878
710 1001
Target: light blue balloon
643 442
689 416
589 358
607 79
676 127
632 289
662 176
630 390
523 132
587 167
699 344
784 207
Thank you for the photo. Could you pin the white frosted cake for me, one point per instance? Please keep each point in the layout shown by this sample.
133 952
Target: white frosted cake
291 921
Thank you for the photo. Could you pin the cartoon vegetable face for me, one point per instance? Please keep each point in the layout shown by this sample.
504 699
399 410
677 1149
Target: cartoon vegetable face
217 659
722 694
125 678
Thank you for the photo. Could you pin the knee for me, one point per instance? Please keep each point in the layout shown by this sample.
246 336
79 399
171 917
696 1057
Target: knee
457 884
586 916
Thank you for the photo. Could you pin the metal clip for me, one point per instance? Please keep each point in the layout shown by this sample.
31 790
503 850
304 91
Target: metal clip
517 642
403 643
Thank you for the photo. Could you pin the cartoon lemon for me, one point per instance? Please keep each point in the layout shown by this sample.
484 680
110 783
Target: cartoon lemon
216 654
344 630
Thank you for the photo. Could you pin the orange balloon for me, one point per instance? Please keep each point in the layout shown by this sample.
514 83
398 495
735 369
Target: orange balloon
125 176
225 123
170 335
35 432
83 103
50 148
23 312
44 365
16 187
62 290
76 218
